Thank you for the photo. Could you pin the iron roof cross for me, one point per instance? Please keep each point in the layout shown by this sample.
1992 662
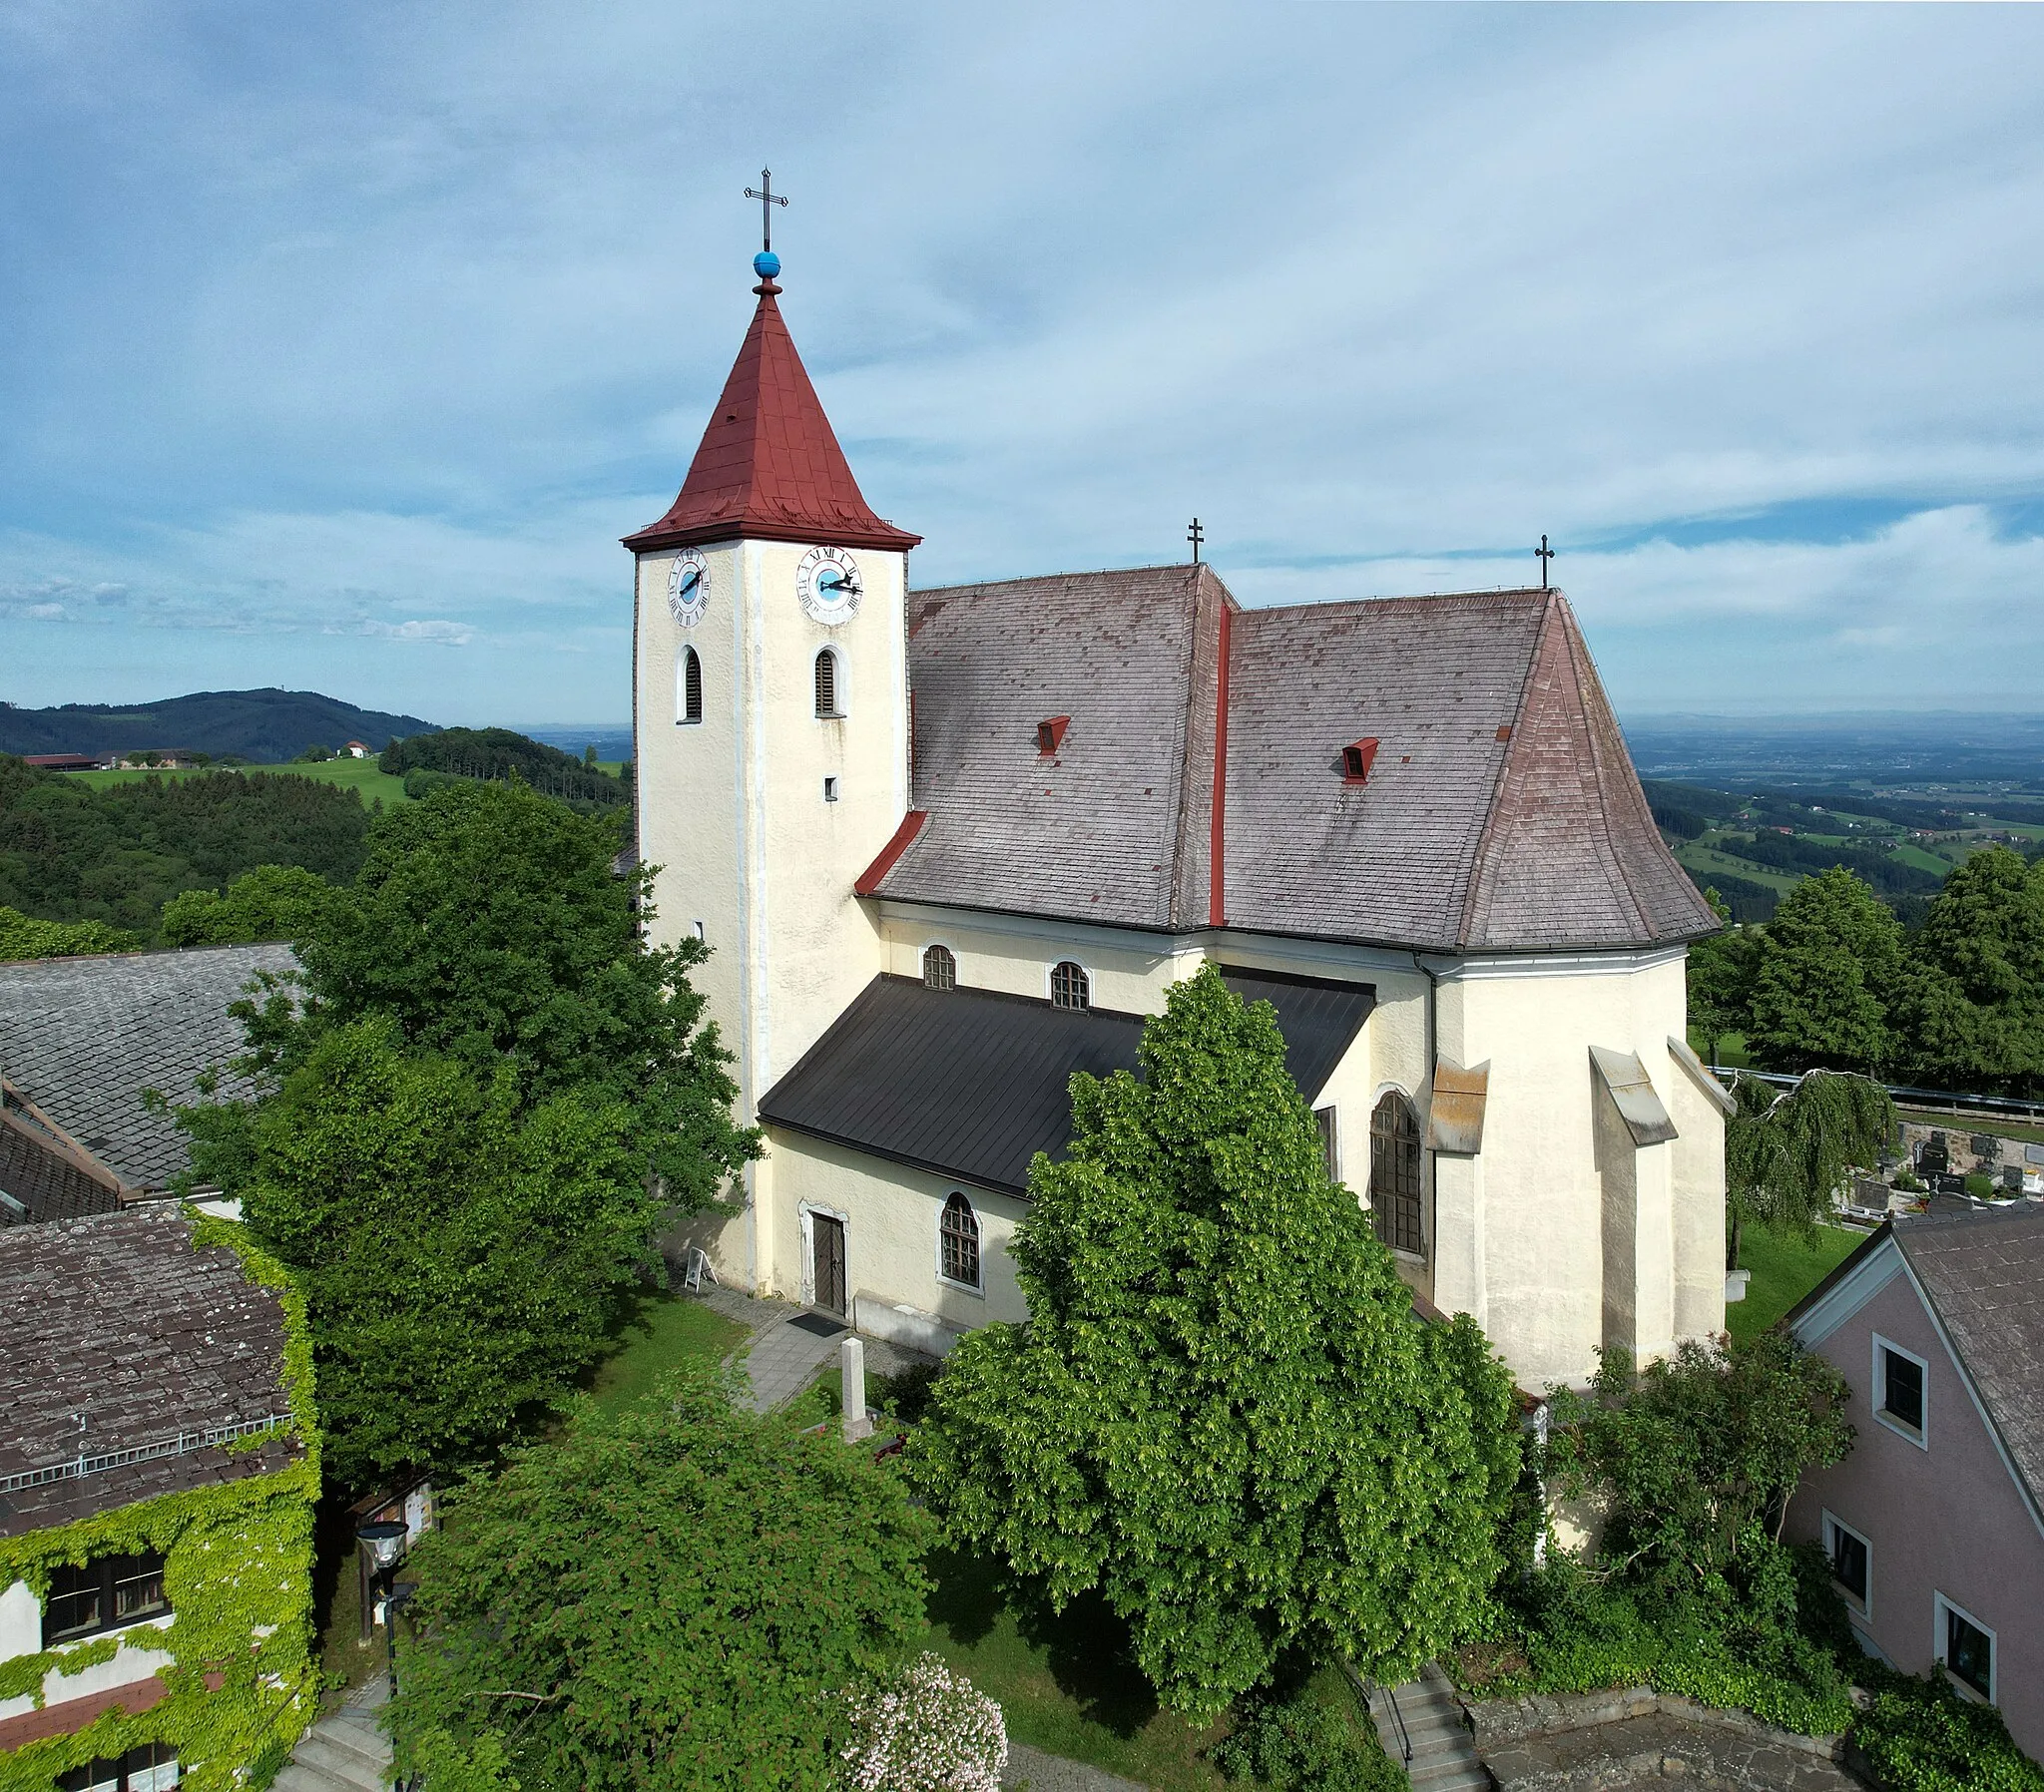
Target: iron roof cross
1543 553
767 199
1196 535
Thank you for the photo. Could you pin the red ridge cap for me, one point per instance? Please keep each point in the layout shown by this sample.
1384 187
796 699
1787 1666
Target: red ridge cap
905 838
1216 845
769 466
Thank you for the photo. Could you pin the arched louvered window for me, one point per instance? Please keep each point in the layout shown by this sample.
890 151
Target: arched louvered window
689 687
827 684
959 1241
939 969
1395 1174
1069 987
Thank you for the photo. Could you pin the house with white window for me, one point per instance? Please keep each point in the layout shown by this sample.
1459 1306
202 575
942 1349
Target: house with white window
157 1476
1934 1524
949 845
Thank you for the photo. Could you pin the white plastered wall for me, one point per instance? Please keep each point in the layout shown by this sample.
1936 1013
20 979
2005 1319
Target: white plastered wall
1539 1291
733 811
21 1634
891 1240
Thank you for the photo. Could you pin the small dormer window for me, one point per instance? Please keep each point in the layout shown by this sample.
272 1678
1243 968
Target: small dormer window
1357 759
1050 733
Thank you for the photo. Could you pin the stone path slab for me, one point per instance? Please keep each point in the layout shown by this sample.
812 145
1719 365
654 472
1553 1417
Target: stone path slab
1040 1772
781 1359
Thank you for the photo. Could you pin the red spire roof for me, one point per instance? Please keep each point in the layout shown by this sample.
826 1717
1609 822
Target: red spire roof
770 466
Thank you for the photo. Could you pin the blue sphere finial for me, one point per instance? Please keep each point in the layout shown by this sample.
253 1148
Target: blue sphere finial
766 264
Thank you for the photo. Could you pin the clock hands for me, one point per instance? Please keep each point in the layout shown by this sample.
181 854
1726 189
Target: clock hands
689 584
844 584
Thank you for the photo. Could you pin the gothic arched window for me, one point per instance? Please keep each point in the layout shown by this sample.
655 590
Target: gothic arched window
1395 1174
689 687
827 685
959 1241
939 968
1069 987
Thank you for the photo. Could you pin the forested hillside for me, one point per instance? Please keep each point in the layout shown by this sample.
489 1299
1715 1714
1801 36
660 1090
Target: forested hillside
498 754
68 852
263 727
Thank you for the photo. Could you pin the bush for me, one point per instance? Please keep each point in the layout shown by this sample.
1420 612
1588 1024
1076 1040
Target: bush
22 936
906 1393
925 1729
271 902
1290 1739
1920 1736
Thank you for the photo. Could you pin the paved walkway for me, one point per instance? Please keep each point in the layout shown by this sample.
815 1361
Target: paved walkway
1040 1772
782 1357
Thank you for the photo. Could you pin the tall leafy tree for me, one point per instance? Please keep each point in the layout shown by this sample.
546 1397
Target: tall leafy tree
1221 1411
1721 980
673 1596
1829 966
1973 1004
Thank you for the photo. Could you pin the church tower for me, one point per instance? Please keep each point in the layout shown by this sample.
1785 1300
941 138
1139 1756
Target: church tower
769 717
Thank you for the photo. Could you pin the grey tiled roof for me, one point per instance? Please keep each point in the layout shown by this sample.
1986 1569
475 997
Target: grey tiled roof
1984 1273
119 1319
82 1037
973 1084
39 1181
1501 812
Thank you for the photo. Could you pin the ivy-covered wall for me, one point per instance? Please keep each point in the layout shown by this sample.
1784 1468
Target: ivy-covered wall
241 1683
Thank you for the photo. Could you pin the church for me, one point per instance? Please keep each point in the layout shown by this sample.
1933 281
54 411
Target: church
948 846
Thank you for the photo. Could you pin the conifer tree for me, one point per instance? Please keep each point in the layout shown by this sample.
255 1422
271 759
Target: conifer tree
1223 1412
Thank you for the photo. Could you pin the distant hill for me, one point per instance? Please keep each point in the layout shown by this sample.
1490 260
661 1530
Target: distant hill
500 753
266 726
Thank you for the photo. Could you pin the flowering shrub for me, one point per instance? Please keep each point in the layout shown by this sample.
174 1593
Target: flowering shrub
926 1730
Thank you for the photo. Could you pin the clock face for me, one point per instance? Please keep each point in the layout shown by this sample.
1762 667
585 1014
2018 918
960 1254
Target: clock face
828 586
688 588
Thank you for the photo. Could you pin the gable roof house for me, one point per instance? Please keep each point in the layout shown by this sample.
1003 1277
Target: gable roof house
1934 1523
1043 801
157 1458
83 1041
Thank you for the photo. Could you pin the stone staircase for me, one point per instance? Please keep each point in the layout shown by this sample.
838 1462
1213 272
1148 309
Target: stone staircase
1444 1757
344 1752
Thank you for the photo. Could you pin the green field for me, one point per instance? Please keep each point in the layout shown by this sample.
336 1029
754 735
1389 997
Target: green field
362 775
1784 1269
1695 856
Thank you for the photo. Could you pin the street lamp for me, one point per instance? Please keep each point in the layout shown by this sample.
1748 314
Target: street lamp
384 1539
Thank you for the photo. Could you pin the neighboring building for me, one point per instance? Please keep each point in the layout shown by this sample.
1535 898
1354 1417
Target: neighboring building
949 846
63 761
355 750
157 1486
1934 1523
82 1043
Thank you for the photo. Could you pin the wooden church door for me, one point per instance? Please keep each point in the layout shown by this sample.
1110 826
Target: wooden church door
828 1234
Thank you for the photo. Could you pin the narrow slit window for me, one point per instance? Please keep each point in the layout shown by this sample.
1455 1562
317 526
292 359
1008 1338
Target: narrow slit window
1394 1176
1330 1142
688 699
1069 986
829 789
826 685
959 1241
939 968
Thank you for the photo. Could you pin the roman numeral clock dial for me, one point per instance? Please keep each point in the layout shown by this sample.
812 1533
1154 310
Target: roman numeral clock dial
827 584
688 588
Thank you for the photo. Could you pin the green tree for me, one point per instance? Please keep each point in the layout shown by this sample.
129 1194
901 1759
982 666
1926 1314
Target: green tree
672 1596
1221 1411
1829 965
271 902
488 924
22 936
1972 1010
1721 980
1788 1152
460 1253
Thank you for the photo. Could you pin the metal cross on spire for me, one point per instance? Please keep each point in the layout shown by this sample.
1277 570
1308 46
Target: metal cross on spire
1196 535
767 199
1543 553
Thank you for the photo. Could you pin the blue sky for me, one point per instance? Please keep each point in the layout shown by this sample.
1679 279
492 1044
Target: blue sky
338 345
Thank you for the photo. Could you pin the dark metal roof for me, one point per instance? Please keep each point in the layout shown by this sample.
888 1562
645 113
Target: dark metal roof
973 1084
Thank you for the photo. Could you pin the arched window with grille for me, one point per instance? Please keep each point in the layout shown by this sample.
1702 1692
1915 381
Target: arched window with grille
689 687
1069 986
828 686
939 968
959 1241
1395 1174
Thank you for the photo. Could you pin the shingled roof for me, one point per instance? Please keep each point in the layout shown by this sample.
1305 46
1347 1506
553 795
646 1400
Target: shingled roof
81 1039
973 1084
768 465
1500 811
119 1319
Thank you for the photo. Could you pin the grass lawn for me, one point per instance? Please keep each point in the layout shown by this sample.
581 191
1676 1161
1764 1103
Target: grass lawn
362 775
1784 1269
1705 860
1731 1051
659 1331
